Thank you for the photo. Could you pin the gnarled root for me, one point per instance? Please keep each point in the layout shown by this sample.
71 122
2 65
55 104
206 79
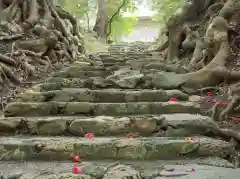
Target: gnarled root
211 47
235 93
187 13
33 32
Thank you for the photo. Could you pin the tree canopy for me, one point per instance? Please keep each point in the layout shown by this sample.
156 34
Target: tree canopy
118 24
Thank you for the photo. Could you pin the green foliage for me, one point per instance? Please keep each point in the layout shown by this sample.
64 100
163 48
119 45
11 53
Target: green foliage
78 7
120 25
165 8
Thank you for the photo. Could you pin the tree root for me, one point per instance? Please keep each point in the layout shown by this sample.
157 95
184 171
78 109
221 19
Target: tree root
34 33
33 15
188 12
8 72
60 24
228 133
191 39
198 54
65 15
234 104
213 10
211 50
12 37
7 60
9 13
202 90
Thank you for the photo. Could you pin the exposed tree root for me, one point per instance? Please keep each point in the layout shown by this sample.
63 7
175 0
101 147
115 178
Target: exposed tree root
209 44
235 93
7 60
11 37
35 35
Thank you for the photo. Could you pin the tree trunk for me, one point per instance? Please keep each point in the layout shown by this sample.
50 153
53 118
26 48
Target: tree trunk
101 24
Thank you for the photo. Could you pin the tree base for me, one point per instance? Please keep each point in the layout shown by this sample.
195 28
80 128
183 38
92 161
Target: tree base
34 36
210 42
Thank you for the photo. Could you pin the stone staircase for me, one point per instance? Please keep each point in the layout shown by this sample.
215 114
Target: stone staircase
106 95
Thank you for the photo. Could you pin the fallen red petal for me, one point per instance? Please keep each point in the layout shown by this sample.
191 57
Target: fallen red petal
173 99
209 94
89 135
192 170
235 121
76 159
75 170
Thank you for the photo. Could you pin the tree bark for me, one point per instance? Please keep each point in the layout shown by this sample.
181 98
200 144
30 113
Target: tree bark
37 35
202 28
101 24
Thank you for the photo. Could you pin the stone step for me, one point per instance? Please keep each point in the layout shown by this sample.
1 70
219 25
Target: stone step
96 109
60 83
84 68
81 74
142 62
160 66
209 167
110 60
101 96
132 60
171 125
107 64
24 148
109 57
134 64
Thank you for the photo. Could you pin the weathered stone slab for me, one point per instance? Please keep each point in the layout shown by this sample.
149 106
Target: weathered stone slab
140 63
177 94
206 167
101 126
126 78
122 172
80 74
81 64
100 96
78 126
161 66
92 82
145 108
167 80
62 148
111 109
189 124
76 68
178 125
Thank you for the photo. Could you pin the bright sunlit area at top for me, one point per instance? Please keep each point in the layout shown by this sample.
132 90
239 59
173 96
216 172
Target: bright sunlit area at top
145 32
143 10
